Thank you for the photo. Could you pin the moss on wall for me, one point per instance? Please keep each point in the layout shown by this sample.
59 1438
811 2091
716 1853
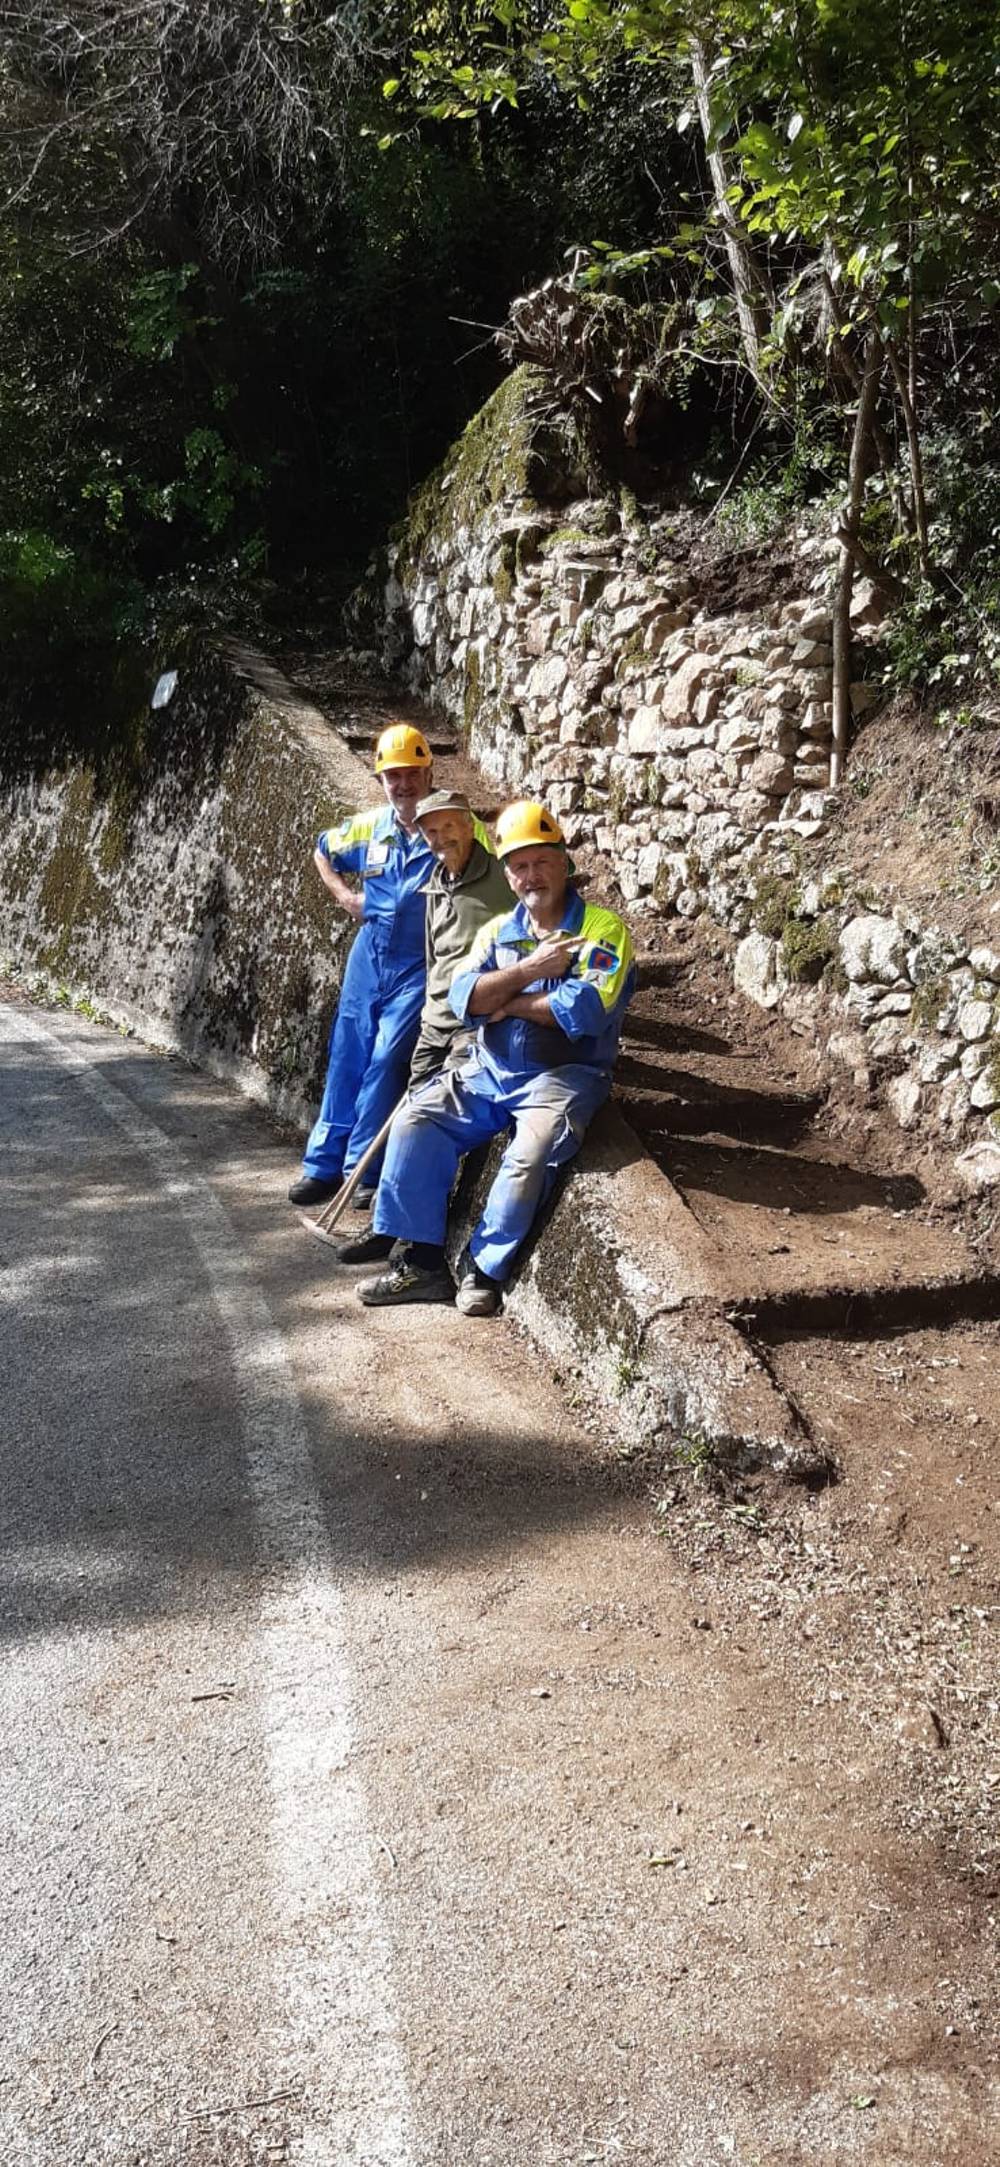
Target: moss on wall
174 883
504 455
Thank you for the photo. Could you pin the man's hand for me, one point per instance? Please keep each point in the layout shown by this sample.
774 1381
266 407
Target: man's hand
347 897
496 990
552 959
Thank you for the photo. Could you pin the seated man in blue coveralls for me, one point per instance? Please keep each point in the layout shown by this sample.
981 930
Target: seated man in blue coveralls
548 986
378 1015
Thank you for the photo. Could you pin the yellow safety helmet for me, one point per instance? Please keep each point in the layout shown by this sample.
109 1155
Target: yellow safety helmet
524 823
401 746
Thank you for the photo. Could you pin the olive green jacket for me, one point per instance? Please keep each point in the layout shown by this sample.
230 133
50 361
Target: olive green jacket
455 912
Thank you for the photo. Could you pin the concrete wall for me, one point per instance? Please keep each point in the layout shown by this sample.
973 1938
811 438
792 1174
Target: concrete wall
174 886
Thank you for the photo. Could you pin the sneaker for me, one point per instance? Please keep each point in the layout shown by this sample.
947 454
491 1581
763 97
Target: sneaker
477 1295
406 1282
363 1199
308 1191
370 1249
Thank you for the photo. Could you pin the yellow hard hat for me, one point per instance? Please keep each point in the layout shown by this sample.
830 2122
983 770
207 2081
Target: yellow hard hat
401 746
524 823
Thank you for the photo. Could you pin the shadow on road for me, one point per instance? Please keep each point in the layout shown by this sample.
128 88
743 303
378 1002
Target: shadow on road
125 1491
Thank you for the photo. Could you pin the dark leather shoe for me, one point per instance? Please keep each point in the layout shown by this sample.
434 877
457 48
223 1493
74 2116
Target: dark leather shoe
308 1191
368 1249
406 1282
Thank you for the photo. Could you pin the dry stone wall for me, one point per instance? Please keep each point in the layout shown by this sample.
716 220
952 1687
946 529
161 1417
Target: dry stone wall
661 732
691 745
910 1010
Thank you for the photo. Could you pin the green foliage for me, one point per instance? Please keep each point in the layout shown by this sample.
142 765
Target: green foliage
774 902
842 201
807 949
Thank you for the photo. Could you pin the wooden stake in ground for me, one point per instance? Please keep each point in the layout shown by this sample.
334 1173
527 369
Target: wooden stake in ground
848 535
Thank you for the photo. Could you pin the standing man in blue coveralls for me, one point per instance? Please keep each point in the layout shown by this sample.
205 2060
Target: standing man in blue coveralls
548 986
378 1015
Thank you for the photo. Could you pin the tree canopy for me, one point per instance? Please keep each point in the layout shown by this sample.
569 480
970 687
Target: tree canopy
253 254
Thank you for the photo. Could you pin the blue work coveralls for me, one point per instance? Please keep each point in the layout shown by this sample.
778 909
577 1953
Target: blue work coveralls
378 1015
545 1082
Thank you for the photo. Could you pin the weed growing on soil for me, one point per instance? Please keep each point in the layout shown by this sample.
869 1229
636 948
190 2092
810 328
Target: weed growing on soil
695 1451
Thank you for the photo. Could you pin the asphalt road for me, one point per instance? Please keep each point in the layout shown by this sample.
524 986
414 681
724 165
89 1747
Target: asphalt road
367 1798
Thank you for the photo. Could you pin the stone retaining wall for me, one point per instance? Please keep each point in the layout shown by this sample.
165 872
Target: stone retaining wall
663 734
910 1011
176 891
691 748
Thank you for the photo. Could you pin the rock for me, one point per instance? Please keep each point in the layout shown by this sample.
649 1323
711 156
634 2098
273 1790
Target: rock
986 963
811 655
885 1038
974 1020
662 626
814 624
985 1092
873 948
547 678
954 1104
644 730
921 1726
978 1168
649 864
938 1061
771 773
683 686
862 1002
905 1098
849 1050
739 735
973 1061
757 970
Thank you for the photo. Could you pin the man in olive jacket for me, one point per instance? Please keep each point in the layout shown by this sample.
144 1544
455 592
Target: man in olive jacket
466 889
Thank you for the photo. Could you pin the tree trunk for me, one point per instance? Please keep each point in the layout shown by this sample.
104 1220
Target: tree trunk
916 460
751 286
861 444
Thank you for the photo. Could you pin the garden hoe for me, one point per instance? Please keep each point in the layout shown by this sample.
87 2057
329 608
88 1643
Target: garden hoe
324 1225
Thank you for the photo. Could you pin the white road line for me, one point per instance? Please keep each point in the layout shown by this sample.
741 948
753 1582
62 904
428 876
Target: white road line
339 2017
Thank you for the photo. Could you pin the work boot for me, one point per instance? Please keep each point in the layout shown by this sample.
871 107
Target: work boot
369 1249
477 1294
363 1199
407 1282
309 1191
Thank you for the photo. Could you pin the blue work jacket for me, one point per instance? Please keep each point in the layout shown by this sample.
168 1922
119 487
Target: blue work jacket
588 1004
395 868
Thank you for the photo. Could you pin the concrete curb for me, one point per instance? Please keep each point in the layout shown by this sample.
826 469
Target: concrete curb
622 1282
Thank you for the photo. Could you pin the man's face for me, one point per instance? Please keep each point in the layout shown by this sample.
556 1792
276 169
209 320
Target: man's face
450 835
538 876
404 787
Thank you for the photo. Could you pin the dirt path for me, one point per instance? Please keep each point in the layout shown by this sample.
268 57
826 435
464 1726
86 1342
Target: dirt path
866 1613
619 1858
